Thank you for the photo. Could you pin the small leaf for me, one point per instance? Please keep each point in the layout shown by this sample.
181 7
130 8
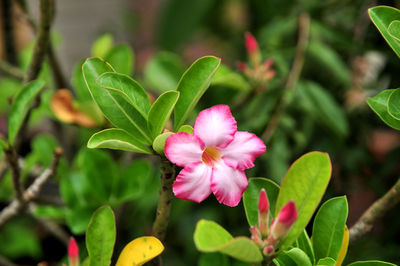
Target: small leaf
305 183
100 237
328 228
250 197
326 262
186 128
382 16
121 57
304 243
379 104
211 237
20 107
160 112
116 139
139 251
371 263
102 45
159 142
295 256
227 78
343 249
193 85
394 104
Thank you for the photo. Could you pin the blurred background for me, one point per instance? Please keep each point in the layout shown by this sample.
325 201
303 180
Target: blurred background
346 60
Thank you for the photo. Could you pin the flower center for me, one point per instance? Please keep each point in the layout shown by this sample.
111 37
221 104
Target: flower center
210 156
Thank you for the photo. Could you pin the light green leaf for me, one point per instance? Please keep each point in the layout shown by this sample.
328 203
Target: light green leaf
102 45
121 57
371 263
20 107
394 104
186 128
303 242
326 262
116 139
211 237
250 197
295 256
305 183
328 228
159 142
78 82
382 16
193 85
394 29
114 107
379 104
227 78
100 237
161 111
3 144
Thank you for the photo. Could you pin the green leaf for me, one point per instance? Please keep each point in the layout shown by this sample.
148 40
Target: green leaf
20 107
159 142
121 57
100 237
186 128
303 242
326 262
102 45
382 16
211 237
394 104
250 197
394 29
371 263
227 78
163 71
295 256
193 85
328 228
379 104
116 139
79 84
3 144
305 184
114 107
160 112
213 259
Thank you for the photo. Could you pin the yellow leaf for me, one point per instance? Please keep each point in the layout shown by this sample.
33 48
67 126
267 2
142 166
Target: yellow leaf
140 251
343 249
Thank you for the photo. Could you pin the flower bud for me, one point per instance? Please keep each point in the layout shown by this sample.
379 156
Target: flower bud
73 252
263 210
251 43
268 251
283 223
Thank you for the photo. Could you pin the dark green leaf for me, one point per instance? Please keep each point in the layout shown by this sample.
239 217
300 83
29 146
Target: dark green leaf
303 242
121 57
379 104
193 85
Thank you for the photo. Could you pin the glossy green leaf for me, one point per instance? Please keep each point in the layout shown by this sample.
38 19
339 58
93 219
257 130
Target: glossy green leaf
303 242
379 104
121 57
394 29
394 104
163 71
211 237
326 262
102 45
115 108
328 228
250 197
294 256
193 85
100 237
20 107
159 142
161 111
371 263
227 78
116 139
305 183
186 128
382 16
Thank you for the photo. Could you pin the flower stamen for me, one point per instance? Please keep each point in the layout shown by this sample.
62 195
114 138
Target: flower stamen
211 155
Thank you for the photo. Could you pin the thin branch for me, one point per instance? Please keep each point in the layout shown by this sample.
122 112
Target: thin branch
375 212
11 70
12 160
31 193
290 86
8 30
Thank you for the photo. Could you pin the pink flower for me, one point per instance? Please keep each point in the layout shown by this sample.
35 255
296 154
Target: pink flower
73 252
251 43
283 223
213 158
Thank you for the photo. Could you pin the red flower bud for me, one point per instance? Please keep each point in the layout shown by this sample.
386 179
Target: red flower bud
263 203
283 223
268 250
251 43
242 66
73 252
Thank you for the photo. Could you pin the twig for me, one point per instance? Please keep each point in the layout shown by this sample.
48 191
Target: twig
11 70
374 212
31 192
12 160
8 29
290 86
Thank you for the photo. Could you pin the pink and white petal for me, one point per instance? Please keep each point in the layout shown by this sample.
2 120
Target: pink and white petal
215 126
193 182
228 184
243 150
183 148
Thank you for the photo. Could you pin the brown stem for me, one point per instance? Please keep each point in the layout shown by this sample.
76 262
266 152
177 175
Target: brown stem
374 212
8 29
12 160
290 86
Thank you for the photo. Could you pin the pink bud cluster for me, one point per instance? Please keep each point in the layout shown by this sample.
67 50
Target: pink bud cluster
257 71
267 235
